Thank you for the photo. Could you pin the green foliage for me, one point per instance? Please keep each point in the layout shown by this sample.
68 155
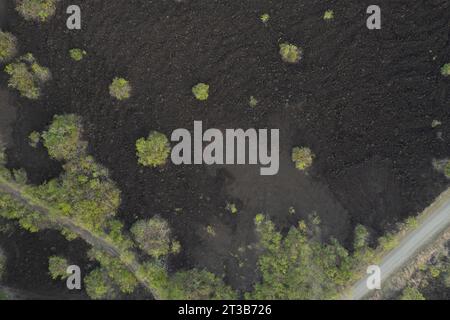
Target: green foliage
77 54
410 293
98 285
290 53
115 271
37 10
154 150
2 264
302 157
14 210
154 237
445 70
57 267
447 169
201 91
63 137
361 237
120 89
34 138
388 242
27 76
253 102
8 46
231 207
328 15
297 266
265 18
199 285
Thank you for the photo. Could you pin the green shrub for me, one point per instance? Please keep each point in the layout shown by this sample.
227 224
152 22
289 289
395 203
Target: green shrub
98 285
290 53
302 157
37 10
410 293
445 70
154 150
26 75
57 267
201 91
63 137
8 45
253 102
34 138
265 18
154 237
447 169
328 15
120 89
77 54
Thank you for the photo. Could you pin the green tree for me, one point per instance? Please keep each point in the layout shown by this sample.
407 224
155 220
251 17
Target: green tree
120 89
8 44
63 137
37 10
98 286
201 91
302 157
57 267
154 237
154 150
77 54
290 53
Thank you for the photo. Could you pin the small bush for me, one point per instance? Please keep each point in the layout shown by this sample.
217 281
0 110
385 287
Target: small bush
447 169
253 102
328 15
410 293
265 18
201 91
154 237
445 70
120 89
57 267
290 53
77 54
8 45
34 138
153 151
26 75
37 10
302 157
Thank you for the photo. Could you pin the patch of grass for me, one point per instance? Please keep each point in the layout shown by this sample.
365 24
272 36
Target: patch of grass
302 157
120 89
77 54
445 70
201 91
153 151
36 10
290 53
8 46
328 15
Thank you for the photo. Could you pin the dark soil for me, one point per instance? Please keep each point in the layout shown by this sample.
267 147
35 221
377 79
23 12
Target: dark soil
362 100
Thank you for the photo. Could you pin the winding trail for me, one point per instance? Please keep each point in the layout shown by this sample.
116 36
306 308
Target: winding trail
436 220
17 192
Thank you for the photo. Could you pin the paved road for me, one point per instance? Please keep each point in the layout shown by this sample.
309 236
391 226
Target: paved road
430 228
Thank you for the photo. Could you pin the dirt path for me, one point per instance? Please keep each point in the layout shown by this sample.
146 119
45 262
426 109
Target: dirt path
17 193
436 220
